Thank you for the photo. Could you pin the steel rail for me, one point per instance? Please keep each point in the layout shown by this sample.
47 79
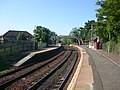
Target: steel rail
9 82
61 86
43 79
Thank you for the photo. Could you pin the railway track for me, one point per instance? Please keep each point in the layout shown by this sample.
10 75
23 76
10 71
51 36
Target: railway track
35 76
26 68
56 79
8 78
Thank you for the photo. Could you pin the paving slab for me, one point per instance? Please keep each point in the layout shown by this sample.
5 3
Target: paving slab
85 77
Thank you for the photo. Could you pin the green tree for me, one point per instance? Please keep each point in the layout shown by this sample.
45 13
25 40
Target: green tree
58 40
76 33
84 33
67 40
21 36
88 29
42 34
70 41
108 22
109 15
53 36
64 41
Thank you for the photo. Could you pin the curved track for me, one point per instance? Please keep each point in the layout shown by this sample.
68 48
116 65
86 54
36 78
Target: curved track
42 75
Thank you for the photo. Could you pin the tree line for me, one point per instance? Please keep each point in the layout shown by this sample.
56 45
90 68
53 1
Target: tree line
44 35
106 27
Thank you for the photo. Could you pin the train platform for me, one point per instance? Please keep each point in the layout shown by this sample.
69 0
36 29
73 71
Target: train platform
95 71
32 53
106 72
83 77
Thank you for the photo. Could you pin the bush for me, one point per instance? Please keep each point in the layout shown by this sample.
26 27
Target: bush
111 46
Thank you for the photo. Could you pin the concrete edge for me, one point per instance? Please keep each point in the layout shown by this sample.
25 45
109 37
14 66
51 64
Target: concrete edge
23 60
72 84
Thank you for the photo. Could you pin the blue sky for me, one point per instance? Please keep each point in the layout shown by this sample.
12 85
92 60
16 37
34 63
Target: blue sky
59 16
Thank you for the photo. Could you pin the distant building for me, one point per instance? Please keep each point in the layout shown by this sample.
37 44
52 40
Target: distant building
12 35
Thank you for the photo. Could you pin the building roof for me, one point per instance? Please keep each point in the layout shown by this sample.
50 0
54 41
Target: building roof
16 32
